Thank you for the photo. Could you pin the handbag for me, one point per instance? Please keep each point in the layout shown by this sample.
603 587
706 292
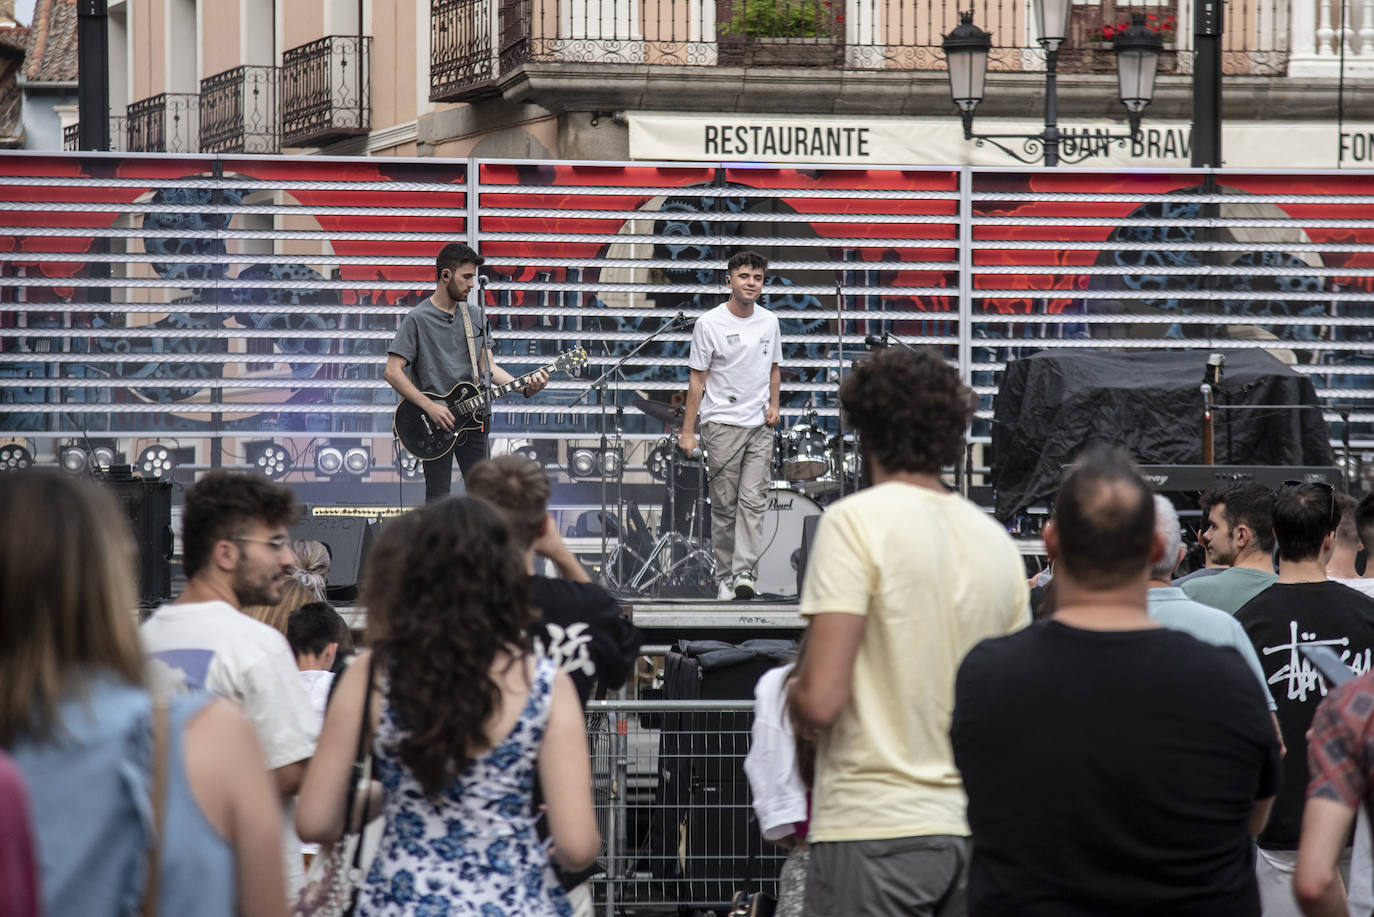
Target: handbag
336 876
752 904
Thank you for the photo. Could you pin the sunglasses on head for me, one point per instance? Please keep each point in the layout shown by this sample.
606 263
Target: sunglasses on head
1333 516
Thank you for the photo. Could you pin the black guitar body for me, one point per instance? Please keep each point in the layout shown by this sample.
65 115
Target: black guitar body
426 440
470 406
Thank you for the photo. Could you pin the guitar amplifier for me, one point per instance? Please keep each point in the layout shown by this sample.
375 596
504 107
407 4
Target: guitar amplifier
1213 477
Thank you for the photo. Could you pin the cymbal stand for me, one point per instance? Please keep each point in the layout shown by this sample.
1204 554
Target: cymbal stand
599 385
694 549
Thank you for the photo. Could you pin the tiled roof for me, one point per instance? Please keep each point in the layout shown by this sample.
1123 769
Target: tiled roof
52 43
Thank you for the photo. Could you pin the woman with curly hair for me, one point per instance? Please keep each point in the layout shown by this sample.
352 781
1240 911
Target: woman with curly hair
464 716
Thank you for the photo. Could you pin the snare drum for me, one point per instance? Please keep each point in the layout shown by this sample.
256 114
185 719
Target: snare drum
782 537
804 453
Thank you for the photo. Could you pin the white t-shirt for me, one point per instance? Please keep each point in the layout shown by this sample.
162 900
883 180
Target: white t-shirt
214 647
737 355
1359 584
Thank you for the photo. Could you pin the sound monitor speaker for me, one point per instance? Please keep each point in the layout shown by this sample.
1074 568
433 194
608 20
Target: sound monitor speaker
348 539
148 507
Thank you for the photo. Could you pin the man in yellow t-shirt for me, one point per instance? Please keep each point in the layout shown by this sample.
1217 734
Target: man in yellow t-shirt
907 577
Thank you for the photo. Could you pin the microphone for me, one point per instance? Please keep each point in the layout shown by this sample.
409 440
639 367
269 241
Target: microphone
682 319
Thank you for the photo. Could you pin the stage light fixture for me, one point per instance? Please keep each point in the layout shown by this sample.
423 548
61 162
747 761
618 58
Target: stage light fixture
526 449
408 464
594 463
582 462
269 458
609 462
14 456
328 460
156 462
74 459
357 461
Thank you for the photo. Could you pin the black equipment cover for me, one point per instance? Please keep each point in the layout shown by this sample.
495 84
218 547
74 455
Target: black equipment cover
1054 403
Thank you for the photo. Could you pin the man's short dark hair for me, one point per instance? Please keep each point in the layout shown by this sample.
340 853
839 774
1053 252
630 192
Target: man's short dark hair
746 259
1364 521
910 409
1303 516
518 487
1251 504
1105 517
1346 532
222 504
453 256
311 628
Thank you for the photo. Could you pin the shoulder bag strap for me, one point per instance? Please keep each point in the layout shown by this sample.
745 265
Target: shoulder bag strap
361 755
159 800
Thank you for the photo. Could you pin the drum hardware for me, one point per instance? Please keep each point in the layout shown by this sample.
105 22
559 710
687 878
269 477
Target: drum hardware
676 558
804 451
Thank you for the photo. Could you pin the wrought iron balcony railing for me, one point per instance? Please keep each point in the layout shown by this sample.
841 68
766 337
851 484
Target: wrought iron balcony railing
164 123
71 135
325 90
474 42
238 111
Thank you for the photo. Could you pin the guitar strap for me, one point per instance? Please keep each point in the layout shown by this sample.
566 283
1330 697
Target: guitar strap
472 347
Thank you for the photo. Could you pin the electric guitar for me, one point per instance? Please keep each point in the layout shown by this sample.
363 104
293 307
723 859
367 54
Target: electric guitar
426 440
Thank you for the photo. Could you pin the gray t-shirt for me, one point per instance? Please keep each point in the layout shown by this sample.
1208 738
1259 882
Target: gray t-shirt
433 343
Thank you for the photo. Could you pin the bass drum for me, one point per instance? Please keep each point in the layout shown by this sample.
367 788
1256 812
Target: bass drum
782 537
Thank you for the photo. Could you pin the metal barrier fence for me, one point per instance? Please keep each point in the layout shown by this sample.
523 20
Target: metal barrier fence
674 807
211 303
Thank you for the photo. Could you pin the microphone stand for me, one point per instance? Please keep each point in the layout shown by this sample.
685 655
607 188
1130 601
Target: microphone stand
599 386
484 362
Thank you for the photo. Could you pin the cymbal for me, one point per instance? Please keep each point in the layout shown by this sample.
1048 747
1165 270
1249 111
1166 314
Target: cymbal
665 413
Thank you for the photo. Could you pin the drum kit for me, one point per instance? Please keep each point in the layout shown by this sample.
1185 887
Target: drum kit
810 470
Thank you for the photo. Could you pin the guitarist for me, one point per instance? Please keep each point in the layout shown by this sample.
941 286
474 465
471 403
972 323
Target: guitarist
439 344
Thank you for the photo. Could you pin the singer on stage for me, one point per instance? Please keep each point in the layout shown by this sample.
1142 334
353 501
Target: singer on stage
440 345
736 348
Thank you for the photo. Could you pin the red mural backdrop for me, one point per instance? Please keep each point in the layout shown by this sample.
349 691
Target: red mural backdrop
595 255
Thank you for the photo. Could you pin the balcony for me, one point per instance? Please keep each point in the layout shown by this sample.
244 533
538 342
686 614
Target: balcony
165 123
71 135
325 91
477 44
238 111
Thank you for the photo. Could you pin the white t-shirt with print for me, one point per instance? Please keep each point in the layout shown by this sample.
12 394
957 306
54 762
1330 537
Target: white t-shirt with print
737 355
212 646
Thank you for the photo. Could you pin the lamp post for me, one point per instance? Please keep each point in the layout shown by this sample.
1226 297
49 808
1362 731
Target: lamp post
1137 51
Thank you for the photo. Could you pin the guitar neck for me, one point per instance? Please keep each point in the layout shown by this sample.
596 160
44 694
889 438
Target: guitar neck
482 399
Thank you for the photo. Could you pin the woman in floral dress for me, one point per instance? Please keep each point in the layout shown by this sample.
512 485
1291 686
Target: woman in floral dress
464 716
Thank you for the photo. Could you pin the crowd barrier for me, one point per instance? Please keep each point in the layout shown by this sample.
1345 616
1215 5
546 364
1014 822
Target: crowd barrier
674 807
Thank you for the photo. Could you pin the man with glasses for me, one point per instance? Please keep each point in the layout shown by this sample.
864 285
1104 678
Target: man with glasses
1303 608
236 552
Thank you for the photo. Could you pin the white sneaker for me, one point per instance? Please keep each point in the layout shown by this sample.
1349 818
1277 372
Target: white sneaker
744 586
725 592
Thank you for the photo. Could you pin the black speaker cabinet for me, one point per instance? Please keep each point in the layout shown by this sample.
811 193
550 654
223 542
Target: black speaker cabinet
148 507
348 539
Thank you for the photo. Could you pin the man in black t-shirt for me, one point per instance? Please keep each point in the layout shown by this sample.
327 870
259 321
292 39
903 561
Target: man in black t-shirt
583 626
1113 766
1302 608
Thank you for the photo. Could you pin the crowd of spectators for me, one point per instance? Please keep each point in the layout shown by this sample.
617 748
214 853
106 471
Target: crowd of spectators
1116 741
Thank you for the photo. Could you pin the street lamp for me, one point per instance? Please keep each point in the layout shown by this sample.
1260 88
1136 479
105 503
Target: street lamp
1137 61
